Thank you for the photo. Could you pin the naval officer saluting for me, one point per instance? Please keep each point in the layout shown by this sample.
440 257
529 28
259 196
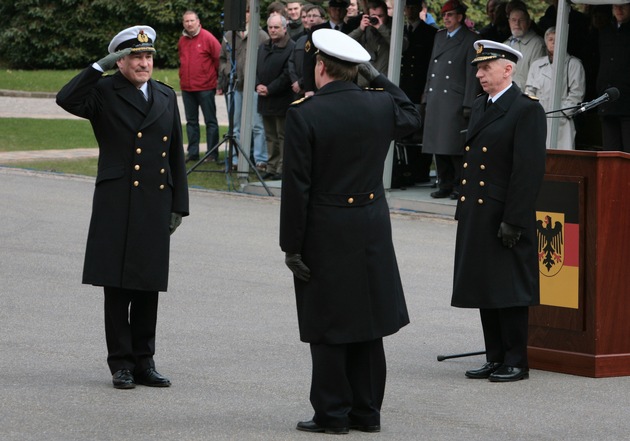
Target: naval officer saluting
336 232
140 196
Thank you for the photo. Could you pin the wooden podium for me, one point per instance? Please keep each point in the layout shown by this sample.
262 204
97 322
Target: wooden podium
583 324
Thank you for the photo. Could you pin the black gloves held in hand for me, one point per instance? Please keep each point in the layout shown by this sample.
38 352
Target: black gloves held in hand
295 264
176 221
509 234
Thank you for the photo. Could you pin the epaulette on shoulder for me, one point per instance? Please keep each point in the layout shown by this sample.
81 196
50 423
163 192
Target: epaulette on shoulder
532 97
478 95
301 100
442 30
374 89
167 85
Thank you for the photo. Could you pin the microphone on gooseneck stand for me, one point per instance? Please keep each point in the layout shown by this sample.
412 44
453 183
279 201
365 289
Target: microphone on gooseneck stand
611 94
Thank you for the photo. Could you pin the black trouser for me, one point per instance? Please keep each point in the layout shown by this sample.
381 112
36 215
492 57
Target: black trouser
448 171
505 335
130 320
348 383
616 133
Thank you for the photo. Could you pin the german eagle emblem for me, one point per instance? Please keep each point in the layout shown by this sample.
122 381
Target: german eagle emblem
550 245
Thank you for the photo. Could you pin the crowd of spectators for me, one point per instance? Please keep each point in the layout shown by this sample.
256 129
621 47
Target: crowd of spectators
435 73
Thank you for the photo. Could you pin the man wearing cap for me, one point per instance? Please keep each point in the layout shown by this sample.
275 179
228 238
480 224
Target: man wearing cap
335 230
496 262
449 92
140 196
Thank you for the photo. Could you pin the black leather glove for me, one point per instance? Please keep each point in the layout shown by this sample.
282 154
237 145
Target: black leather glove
509 234
295 264
176 221
367 71
108 62
466 112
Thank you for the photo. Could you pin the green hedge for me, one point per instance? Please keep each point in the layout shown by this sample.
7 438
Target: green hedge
65 34
70 34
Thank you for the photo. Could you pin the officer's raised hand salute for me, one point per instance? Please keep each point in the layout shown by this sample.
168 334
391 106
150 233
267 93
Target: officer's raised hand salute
109 61
140 196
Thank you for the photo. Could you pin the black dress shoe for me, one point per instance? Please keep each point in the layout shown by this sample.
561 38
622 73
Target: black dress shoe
369 429
454 196
123 379
312 426
441 193
151 377
509 373
484 371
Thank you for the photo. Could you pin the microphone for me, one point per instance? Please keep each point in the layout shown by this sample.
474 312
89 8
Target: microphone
610 94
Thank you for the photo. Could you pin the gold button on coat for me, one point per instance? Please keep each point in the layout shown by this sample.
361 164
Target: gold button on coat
162 187
463 181
137 167
138 150
467 148
465 164
371 195
483 167
136 183
463 198
163 154
139 134
480 201
165 139
162 171
351 200
485 149
481 183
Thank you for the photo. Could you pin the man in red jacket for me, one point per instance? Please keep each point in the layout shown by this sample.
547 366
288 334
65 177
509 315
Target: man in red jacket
198 72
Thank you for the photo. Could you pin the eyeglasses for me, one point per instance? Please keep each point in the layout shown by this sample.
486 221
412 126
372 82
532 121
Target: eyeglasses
313 16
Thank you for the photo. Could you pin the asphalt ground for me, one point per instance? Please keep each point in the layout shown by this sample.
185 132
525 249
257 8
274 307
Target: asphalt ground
228 339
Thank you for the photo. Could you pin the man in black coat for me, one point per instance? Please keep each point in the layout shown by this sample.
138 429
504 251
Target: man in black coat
140 197
273 86
413 76
496 261
614 71
335 230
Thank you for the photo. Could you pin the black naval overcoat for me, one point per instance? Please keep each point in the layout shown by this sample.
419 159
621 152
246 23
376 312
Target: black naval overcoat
141 178
335 214
504 164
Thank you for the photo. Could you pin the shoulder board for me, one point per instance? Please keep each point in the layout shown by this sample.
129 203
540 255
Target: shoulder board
482 93
532 97
307 45
167 85
442 30
301 100
375 89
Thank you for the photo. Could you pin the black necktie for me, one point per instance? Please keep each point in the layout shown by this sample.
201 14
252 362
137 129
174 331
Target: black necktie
488 104
336 27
